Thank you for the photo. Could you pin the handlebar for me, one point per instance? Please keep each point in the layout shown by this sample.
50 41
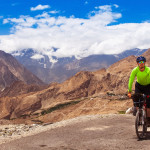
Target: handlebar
140 95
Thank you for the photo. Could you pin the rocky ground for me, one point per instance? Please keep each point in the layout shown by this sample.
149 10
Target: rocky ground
91 132
11 132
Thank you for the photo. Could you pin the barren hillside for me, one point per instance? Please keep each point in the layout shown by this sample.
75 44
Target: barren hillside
11 71
102 91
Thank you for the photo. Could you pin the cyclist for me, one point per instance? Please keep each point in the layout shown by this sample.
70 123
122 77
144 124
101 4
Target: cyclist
142 84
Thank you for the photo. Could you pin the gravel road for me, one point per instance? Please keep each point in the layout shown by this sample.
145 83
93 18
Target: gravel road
97 132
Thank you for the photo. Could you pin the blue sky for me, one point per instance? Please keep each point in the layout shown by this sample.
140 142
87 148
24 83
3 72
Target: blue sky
75 27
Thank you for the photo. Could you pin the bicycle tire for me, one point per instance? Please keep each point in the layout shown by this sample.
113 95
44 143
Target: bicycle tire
140 124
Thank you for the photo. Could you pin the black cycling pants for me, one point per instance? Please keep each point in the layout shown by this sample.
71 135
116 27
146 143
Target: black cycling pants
144 89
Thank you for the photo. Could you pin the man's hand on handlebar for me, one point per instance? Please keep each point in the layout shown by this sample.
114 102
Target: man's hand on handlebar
129 94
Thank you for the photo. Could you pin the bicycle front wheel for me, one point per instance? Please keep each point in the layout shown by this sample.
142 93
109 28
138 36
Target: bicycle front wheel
140 124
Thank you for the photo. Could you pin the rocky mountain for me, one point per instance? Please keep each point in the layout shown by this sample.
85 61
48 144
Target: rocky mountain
101 91
52 69
20 87
11 71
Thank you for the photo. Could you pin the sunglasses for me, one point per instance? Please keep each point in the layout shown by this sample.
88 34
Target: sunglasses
141 62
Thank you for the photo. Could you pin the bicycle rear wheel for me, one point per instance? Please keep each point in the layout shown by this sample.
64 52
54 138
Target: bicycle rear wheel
140 124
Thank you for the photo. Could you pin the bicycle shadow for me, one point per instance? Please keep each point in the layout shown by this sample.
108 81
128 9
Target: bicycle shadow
147 135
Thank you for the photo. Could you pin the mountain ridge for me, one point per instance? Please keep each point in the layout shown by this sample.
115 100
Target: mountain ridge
12 70
63 68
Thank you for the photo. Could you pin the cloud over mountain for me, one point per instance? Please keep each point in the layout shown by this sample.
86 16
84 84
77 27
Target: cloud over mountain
97 34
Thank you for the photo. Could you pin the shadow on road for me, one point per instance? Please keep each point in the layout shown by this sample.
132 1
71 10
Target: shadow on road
147 135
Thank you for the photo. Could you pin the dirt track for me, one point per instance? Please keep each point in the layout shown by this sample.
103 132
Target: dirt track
100 132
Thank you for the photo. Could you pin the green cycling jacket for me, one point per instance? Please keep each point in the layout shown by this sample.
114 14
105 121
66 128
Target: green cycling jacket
143 77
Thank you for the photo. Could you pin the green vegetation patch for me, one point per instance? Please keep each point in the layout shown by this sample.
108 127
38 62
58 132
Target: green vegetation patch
110 94
59 106
122 112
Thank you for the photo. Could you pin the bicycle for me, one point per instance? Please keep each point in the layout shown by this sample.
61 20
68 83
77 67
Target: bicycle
141 121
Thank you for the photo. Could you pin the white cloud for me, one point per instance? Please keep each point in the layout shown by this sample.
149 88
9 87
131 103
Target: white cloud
53 12
116 5
39 7
75 36
107 8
